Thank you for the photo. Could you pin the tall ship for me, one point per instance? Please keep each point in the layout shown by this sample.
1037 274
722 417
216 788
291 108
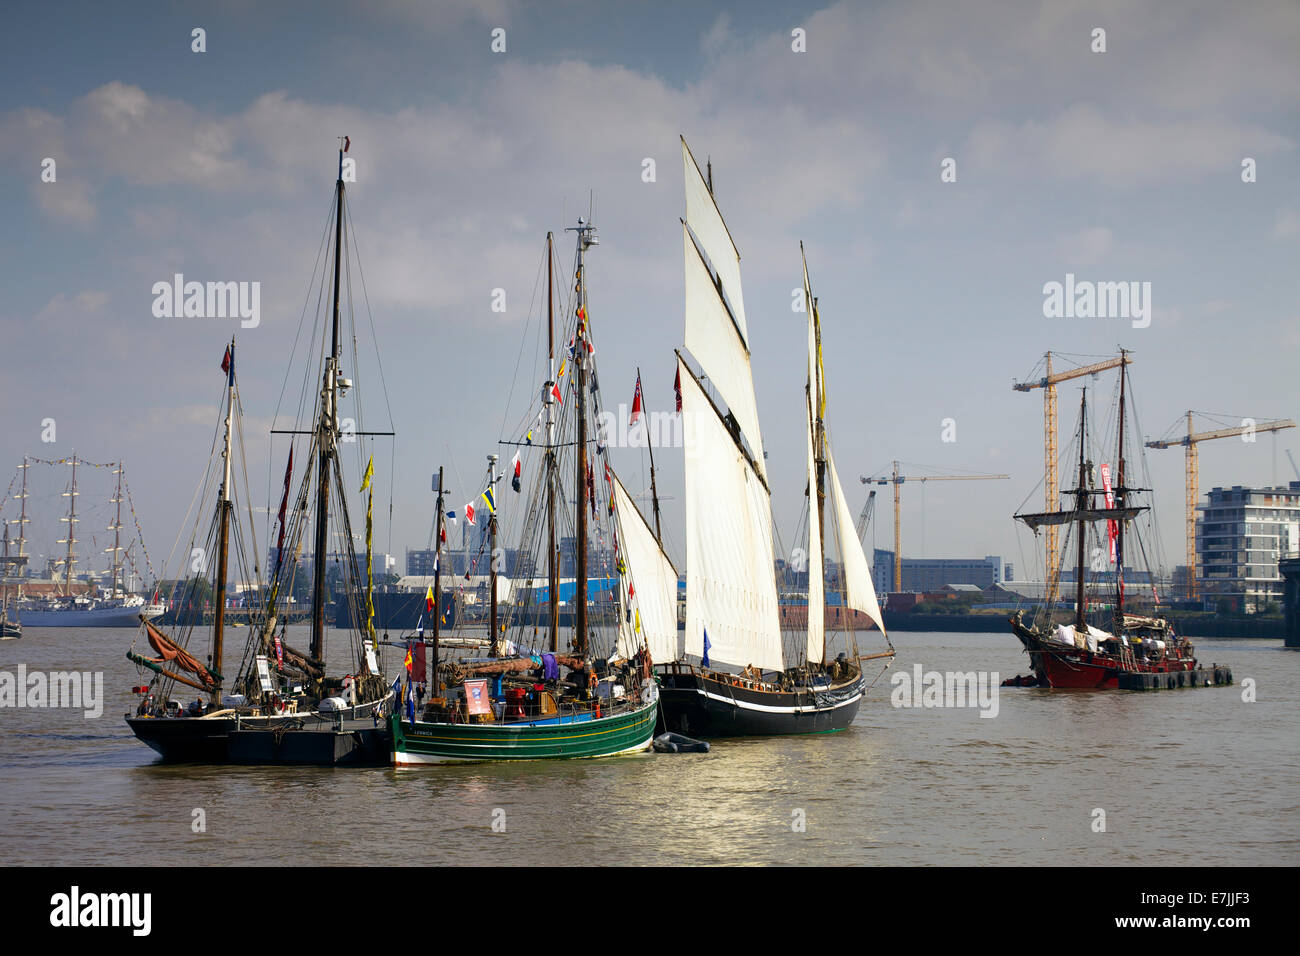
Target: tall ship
283 704
529 687
736 673
62 601
1104 642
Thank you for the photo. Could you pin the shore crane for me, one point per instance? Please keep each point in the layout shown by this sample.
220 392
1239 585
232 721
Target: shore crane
1051 484
897 480
1189 442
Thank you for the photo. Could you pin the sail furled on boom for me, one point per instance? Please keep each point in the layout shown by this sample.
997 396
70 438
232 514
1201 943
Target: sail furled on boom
731 576
651 612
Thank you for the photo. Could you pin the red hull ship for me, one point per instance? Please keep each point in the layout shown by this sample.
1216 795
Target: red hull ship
1098 664
1079 655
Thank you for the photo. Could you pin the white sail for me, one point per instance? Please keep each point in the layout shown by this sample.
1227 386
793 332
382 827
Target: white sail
817 584
859 592
706 222
730 575
654 604
715 343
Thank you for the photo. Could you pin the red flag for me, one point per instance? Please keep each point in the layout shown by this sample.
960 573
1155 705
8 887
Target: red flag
469 513
347 141
636 402
225 361
677 388
284 504
555 390
1112 527
517 478
442 534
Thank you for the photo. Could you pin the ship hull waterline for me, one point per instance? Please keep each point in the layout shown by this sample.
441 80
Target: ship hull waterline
701 706
428 742
1063 667
91 617
307 739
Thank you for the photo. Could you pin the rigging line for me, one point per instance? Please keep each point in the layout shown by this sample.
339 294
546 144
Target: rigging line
329 216
537 282
199 492
374 335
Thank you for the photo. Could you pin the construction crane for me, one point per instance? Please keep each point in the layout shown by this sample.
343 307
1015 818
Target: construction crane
897 481
1051 485
864 519
1189 442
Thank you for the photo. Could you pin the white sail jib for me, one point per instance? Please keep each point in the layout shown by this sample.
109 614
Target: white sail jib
650 593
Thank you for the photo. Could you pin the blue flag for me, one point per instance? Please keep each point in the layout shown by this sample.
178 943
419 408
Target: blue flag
705 660
397 694
410 703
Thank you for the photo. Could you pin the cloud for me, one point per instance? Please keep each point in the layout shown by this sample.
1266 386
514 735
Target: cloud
1084 143
1086 248
1286 225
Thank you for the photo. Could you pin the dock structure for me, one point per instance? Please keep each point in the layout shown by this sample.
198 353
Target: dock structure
1290 571
1215 675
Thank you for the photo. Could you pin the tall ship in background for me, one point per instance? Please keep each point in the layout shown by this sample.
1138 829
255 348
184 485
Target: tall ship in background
736 673
61 600
1096 649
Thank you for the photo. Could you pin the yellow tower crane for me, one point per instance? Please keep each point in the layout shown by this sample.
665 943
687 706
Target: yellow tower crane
1190 441
1051 485
897 481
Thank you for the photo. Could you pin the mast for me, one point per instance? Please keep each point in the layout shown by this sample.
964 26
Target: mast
117 535
223 538
492 547
1119 502
552 564
326 430
1082 505
437 583
22 520
71 519
586 238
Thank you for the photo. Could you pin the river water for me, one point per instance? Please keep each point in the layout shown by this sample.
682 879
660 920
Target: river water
1183 777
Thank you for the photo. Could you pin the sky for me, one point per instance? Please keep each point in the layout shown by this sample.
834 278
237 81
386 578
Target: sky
1122 165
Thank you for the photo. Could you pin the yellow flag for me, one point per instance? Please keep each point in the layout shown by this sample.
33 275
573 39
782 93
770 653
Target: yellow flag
370 473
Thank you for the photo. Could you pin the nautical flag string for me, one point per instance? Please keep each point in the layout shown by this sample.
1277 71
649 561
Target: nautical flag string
516 478
469 514
490 500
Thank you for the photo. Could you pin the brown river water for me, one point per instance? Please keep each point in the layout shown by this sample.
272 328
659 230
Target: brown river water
1183 777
